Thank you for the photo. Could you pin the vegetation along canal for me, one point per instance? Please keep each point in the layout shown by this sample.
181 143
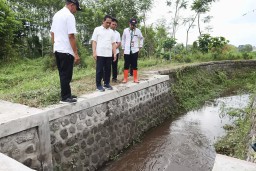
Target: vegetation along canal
185 143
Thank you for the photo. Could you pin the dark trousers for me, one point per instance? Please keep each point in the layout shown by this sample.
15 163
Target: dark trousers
65 64
132 60
103 69
114 66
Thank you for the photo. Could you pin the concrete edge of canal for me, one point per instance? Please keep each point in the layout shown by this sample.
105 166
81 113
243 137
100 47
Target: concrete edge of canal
225 163
87 134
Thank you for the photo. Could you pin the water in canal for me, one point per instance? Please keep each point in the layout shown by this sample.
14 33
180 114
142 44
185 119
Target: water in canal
183 144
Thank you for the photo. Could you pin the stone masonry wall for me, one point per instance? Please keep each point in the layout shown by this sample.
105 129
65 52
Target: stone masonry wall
251 155
85 135
86 139
23 146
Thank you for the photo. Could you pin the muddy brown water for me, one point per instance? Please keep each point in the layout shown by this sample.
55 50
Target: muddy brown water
183 144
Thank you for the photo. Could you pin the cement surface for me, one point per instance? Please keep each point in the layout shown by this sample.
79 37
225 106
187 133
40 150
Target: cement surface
9 164
12 111
225 163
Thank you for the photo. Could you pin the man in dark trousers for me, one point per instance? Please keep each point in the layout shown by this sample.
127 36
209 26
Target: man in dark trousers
63 32
132 42
104 46
113 26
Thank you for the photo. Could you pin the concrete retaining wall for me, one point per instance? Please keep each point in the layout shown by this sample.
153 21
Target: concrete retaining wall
84 135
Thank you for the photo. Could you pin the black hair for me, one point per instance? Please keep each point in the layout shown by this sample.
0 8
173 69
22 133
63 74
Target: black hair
114 20
107 16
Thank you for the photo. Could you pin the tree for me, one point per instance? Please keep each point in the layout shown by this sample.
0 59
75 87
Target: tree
245 48
201 7
168 44
207 43
150 45
179 5
9 26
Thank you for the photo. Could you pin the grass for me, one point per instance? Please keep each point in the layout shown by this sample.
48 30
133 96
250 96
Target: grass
235 143
36 84
33 82
193 87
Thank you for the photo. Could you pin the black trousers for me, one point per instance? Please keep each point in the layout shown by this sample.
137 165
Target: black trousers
114 66
103 69
132 60
65 63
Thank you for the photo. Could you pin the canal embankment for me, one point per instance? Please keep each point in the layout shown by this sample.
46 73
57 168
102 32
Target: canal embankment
100 125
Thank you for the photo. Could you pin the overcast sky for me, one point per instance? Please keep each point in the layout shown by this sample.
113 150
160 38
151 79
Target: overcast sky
233 19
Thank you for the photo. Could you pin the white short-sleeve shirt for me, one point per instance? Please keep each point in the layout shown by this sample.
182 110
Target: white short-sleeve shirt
104 38
63 24
118 39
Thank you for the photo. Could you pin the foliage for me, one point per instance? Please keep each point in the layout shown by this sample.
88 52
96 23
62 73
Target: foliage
216 45
245 48
9 25
194 86
234 144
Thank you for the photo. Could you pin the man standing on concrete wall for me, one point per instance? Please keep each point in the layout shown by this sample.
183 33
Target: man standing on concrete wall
104 46
63 32
113 26
132 42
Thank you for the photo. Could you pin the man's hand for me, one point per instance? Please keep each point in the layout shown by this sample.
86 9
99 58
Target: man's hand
95 56
77 59
114 57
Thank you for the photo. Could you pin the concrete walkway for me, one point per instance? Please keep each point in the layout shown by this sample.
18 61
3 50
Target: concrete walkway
13 111
225 163
9 164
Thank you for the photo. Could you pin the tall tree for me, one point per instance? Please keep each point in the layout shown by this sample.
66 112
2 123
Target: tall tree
201 7
179 5
9 26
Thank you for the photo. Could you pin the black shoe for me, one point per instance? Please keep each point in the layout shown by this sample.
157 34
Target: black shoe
253 146
73 96
68 100
108 87
114 80
100 88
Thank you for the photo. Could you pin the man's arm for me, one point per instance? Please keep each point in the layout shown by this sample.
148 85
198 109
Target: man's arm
114 50
72 40
94 45
118 44
52 37
123 40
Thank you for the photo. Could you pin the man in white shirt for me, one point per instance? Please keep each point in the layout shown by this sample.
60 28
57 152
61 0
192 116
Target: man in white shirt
132 42
63 32
113 26
104 46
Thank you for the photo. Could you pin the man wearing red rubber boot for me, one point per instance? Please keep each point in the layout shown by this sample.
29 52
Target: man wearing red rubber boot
132 42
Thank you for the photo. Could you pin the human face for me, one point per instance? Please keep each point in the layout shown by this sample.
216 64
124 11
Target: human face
73 8
107 23
132 27
113 25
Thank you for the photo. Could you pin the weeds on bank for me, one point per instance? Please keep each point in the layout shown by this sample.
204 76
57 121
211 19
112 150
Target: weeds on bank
194 87
235 143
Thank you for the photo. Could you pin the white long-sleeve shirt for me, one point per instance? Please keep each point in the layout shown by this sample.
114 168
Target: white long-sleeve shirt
132 40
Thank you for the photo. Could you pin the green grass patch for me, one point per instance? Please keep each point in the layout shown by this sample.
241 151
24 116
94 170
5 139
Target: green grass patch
194 86
235 143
